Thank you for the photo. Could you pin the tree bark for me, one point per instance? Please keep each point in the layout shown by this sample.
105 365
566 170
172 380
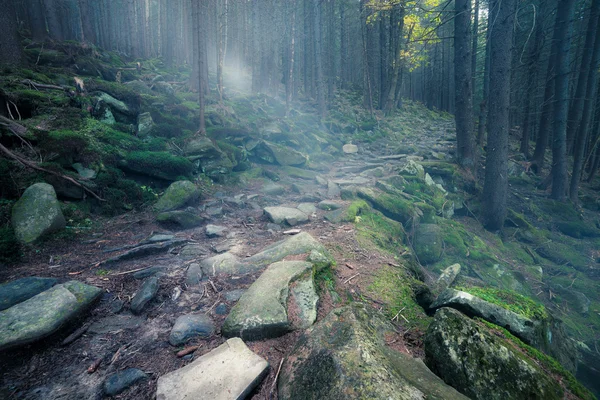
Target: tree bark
495 189
11 51
319 59
465 143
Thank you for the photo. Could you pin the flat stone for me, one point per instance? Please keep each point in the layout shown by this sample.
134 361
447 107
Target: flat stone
333 190
321 181
19 290
144 295
181 218
120 381
261 312
145 273
214 211
146 250
291 216
193 275
145 124
350 148
159 238
358 180
193 251
190 326
37 213
306 298
231 371
225 263
234 295
447 277
329 205
273 189
307 208
215 231
45 313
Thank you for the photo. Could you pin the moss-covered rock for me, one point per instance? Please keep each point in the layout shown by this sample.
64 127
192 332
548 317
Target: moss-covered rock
578 229
160 164
345 356
428 243
177 195
37 213
480 365
392 206
180 218
277 154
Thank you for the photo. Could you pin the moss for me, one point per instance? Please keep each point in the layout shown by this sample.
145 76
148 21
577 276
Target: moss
376 229
546 361
159 163
9 245
299 173
121 194
509 300
577 229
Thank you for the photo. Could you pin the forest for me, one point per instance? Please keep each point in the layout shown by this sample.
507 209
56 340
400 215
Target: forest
299 199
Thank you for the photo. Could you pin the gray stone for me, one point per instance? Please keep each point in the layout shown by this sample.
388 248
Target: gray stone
345 356
307 208
19 290
116 323
145 124
221 309
193 275
428 243
114 104
164 88
279 154
481 365
146 250
65 189
358 180
120 381
145 273
329 205
305 297
144 295
378 172
350 149
181 218
214 211
261 312
84 173
446 278
177 195
45 313
412 168
193 251
234 295
273 189
37 213
321 181
333 190
225 263
190 326
215 231
231 371
291 216
159 238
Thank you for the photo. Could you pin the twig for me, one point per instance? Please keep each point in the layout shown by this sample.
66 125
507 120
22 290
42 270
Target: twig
349 266
276 376
128 272
9 112
37 85
92 368
213 286
398 313
39 55
16 109
75 335
188 350
352 277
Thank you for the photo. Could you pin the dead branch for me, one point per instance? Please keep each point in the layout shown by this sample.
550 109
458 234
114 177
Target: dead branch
75 335
188 350
276 376
92 368
37 85
33 165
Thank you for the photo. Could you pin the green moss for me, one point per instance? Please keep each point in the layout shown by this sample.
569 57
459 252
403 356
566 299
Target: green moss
376 229
159 163
509 300
546 361
9 245
355 209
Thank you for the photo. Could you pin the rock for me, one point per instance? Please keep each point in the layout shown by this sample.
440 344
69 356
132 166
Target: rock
578 229
446 278
65 189
215 231
214 211
221 309
481 365
305 298
115 323
120 381
291 216
579 300
333 190
329 205
378 172
392 206
345 356
231 371
144 295
164 88
358 180
428 243
412 168
350 149
225 263
190 326
45 313
234 295
37 213
273 189
473 306
184 219
146 250
84 173
282 155
193 275
114 104
307 208
145 124
177 195
213 162
321 181
19 290
336 216
430 182
159 238
261 312
147 272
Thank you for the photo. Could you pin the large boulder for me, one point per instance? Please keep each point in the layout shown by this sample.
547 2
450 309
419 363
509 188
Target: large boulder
481 365
280 215
177 195
392 206
37 213
209 157
231 371
262 311
45 313
19 290
278 154
181 218
345 356
428 243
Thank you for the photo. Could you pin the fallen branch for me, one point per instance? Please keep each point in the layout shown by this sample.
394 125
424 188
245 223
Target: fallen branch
37 85
188 350
276 376
75 335
129 272
33 165
352 277
92 368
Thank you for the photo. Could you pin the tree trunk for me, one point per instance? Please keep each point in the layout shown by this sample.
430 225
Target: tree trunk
198 11
37 20
584 126
319 59
11 51
391 100
465 143
475 37
483 112
289 84
562 35
495 189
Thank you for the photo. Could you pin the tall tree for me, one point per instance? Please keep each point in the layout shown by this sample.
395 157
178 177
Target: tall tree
465 142
198 10
319 59
562 36
495 189
11 51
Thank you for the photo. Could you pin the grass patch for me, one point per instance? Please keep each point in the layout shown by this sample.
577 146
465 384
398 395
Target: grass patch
509 300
